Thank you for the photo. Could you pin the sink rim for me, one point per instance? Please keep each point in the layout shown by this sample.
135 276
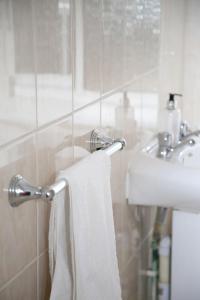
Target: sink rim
150 150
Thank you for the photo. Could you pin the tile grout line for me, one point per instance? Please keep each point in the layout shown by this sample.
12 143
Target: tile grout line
18 274
56 121
37 218
4 286
38 266
35 138
73 73
101 60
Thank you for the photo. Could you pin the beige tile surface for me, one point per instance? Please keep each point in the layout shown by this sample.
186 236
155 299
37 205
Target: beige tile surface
171 67
134 39
152 14
18 225
23 287
120 121
51 49
113 17
129 281
17 79
88 51
84 122
52 26
191 84
150 105
44 277
54 153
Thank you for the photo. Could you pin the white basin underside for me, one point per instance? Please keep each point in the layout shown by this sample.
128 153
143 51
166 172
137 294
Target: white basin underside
152 181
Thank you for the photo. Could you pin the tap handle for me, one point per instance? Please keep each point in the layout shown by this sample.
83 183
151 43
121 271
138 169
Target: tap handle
165 139
184 129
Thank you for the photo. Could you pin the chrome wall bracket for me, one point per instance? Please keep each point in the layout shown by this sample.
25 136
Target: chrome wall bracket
100 141
21 191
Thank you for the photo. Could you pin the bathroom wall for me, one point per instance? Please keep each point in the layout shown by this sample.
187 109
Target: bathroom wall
64 66
180 55
191 55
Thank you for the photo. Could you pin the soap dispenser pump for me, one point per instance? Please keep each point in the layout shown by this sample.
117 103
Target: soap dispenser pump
172 104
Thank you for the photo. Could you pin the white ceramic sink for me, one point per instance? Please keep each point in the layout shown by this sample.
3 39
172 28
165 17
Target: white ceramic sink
172 183
190 157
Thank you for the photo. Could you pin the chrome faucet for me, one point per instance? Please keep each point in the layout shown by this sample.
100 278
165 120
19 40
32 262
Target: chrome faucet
186 132
165 147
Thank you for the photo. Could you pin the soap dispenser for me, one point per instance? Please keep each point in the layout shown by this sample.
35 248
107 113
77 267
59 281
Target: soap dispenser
171 120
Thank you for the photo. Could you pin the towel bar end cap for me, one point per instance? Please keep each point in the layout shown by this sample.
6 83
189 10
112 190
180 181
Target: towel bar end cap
21 191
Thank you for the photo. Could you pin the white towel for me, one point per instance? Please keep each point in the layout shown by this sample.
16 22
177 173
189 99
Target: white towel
82 249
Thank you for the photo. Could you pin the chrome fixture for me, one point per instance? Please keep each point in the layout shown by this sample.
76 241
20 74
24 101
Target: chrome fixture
186 132
164 144
99 140
165 148
21 191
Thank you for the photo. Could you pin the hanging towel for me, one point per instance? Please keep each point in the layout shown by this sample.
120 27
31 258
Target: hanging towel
82 249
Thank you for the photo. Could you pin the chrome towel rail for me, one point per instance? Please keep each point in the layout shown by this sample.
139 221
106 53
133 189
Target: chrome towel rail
21 191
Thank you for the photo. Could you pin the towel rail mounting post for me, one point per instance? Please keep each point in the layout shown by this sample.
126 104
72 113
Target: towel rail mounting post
100 141
21 191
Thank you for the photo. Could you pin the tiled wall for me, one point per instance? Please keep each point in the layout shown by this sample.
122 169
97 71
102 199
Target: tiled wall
64 66
179 56
191 79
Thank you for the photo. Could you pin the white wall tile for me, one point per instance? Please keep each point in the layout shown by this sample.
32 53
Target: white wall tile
87 52
17 78
53 44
